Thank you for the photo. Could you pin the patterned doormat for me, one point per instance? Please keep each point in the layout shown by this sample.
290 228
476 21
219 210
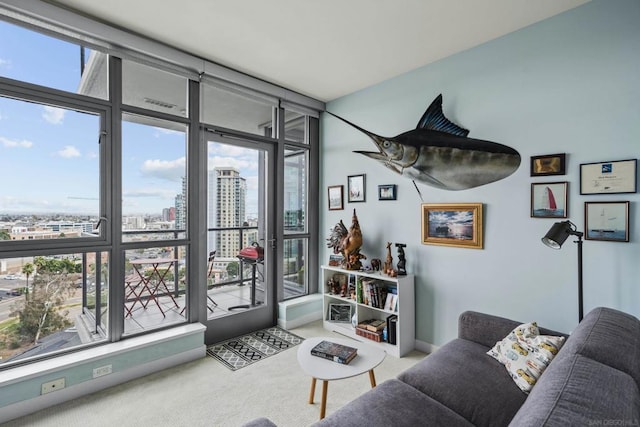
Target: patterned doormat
242 351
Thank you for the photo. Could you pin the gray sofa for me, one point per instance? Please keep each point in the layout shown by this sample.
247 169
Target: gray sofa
592 381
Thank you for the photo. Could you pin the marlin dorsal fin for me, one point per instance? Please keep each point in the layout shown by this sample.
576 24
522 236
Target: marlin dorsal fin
434 119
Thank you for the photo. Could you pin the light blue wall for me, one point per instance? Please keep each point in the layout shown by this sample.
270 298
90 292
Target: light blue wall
568 84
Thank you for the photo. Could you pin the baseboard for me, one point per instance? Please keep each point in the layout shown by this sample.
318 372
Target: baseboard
30 406
425 347
303 320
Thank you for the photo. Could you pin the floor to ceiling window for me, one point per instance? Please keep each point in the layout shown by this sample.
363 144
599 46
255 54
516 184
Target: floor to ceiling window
102 233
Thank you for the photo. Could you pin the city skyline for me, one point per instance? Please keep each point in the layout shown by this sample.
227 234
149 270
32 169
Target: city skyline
51 156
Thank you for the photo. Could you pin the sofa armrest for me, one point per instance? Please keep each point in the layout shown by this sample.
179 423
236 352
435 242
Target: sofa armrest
487 329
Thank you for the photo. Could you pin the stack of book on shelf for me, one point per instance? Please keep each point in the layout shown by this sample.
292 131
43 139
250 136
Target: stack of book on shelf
373 292
333 351
371 329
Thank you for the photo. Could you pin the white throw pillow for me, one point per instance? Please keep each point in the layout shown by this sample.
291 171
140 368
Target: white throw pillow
526 354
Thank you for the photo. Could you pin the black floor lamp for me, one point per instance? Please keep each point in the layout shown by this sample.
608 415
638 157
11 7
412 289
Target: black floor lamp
555 237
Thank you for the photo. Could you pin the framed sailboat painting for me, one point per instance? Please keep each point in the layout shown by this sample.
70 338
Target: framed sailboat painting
607 221
549 199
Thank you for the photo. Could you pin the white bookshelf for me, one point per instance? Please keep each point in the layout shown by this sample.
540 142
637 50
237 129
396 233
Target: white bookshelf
405 308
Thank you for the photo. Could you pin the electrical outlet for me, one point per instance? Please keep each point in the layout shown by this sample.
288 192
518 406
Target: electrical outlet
102 371
52 386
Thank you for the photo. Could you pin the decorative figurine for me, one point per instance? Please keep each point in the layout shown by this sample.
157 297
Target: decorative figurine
347 243
375 264
334 286
343 290
388 263
401 259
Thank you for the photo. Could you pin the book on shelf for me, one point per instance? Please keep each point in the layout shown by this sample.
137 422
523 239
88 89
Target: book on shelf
376 325
333 351
392 331
363 332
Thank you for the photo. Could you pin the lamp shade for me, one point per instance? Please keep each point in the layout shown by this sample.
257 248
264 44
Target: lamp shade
557 234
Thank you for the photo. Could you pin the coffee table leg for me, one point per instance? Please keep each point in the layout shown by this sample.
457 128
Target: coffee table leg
323 405
313 389
372 378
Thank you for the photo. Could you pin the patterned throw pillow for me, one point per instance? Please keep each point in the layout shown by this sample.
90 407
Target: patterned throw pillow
526 354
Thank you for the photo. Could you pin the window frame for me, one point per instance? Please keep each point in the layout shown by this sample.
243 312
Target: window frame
27 92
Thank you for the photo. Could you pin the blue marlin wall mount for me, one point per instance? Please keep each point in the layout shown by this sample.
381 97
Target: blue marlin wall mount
439 153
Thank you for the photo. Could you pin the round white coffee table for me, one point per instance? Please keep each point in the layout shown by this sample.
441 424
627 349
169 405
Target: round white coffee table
327 370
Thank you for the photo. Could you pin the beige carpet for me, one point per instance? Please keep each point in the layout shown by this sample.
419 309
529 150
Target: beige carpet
205 393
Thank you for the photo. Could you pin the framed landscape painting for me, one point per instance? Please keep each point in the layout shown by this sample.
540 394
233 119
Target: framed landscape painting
458 225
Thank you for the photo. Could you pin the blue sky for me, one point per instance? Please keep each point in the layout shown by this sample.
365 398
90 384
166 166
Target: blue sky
49 156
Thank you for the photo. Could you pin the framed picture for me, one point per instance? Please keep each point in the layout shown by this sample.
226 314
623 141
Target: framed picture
458 225
387 192
549 199
336 197
606 221
340 313
356 188
551 164
613 177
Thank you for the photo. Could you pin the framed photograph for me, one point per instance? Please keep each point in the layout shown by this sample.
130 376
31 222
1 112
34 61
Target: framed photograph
340 313
458 225
387 192
613 177
606 221
356 188
551 164
336 197
549 199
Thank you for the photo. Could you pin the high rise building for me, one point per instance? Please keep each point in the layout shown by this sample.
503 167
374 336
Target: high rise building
229 194
181 207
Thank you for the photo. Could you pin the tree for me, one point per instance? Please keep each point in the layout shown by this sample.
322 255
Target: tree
233 268
27 270
4 235
39 312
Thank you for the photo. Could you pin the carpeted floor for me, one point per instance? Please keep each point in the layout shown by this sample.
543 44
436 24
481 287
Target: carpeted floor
206 393
242 351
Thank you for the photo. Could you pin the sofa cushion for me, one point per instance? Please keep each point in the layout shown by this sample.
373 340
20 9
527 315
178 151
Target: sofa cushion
578 391
463 377
526 354
393 403
610 337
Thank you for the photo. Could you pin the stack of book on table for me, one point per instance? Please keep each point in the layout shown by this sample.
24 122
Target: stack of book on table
334 351
371 329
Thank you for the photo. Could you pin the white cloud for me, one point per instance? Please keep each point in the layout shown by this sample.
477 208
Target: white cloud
230 150
172 170
11 143
68 152
5 63
149 193
53 115
165 131
230 162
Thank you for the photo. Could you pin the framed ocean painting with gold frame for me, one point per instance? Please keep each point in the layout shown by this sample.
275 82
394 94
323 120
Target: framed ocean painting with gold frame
452 224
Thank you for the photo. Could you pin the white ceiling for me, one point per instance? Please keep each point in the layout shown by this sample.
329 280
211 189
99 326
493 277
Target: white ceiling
325 48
